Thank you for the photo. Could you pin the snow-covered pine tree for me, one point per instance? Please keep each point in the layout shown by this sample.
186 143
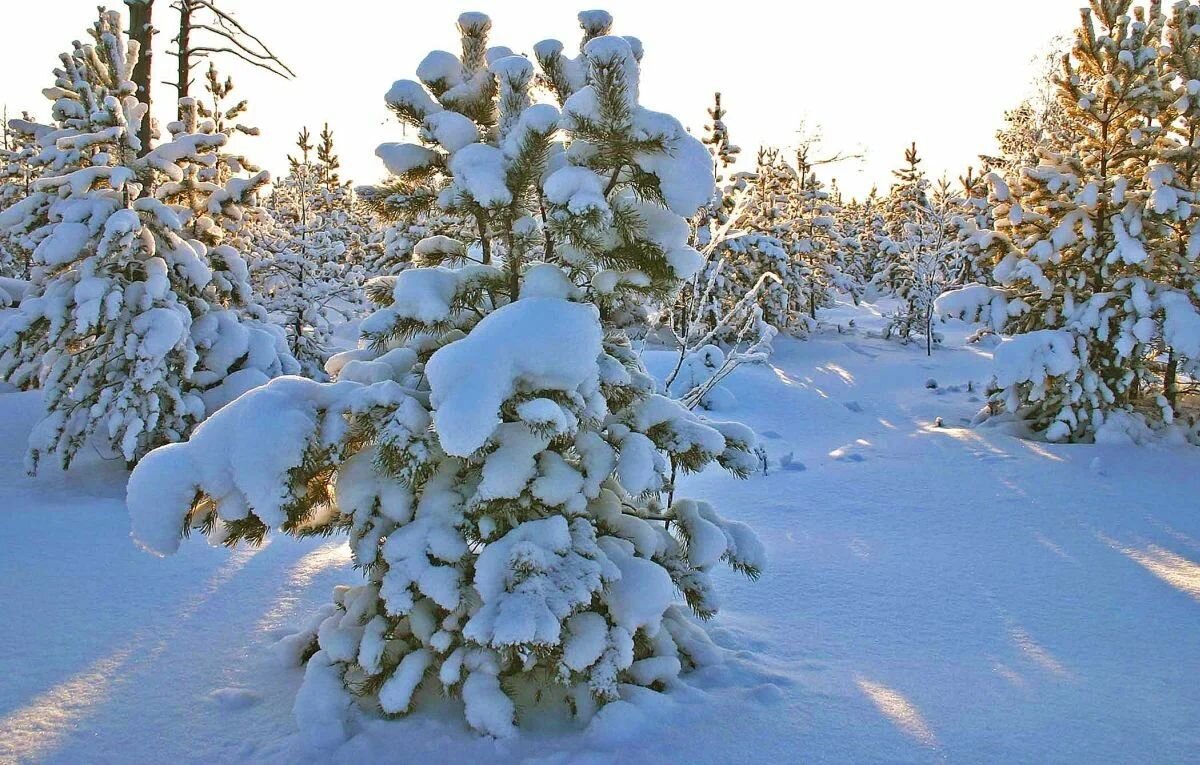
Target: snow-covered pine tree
854 241
973 217
724 154
815 246
927 252
215 197
1174 199
345 218
497 454
771 246
906 203
1084 271
328 162
19 150
916 250
125 326
722 310
873 243
724 151
847 254
305 266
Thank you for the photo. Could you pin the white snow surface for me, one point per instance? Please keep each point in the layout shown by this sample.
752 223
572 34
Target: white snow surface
960 596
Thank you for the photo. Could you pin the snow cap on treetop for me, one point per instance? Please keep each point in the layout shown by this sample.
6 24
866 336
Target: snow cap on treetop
411 96
512 67
440 68
547 49
595 23
474 21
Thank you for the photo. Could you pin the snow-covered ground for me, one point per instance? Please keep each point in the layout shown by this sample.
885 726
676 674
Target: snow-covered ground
935 594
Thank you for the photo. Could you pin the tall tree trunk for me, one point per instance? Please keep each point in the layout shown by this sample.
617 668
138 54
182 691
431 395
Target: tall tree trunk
140 29
184 72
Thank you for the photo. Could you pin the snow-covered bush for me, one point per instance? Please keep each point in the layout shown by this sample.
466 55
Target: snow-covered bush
1096 246
135 323
738 262
817 247
307 262
19 152
861 234
772 212
921 253
496 453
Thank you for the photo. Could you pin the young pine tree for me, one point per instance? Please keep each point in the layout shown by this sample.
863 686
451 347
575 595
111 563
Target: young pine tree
724 154
126 327
1094 283
305 265
974 216
1175 191
815 242
906 204
772 249
496 452
19 152
918 251
723 310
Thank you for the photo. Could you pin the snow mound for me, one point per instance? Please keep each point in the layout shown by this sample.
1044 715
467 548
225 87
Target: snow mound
532 344
1034 356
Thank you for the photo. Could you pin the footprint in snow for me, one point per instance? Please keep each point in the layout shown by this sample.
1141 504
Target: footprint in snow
234 698
767 694
786 462
860 350
855 452
770 434
990 457
853 406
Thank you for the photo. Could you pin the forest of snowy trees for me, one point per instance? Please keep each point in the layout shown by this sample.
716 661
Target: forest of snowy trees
445 366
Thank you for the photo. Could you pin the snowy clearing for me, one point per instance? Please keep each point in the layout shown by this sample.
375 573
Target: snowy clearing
933 595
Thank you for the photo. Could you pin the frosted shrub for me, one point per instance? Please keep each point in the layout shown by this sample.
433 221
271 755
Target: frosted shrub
496 454
136 324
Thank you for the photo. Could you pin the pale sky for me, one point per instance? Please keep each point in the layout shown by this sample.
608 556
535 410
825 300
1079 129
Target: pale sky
874 74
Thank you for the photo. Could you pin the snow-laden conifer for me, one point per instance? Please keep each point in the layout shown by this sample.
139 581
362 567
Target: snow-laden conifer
19 152
308 257
499 458
816 248
133 325
1094 244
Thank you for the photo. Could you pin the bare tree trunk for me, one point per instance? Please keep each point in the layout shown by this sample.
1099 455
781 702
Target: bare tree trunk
184 72
1170 379
140 29
484 243
929 331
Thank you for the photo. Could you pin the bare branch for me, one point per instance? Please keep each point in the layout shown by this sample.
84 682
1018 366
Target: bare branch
233 39
230 20
202 50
